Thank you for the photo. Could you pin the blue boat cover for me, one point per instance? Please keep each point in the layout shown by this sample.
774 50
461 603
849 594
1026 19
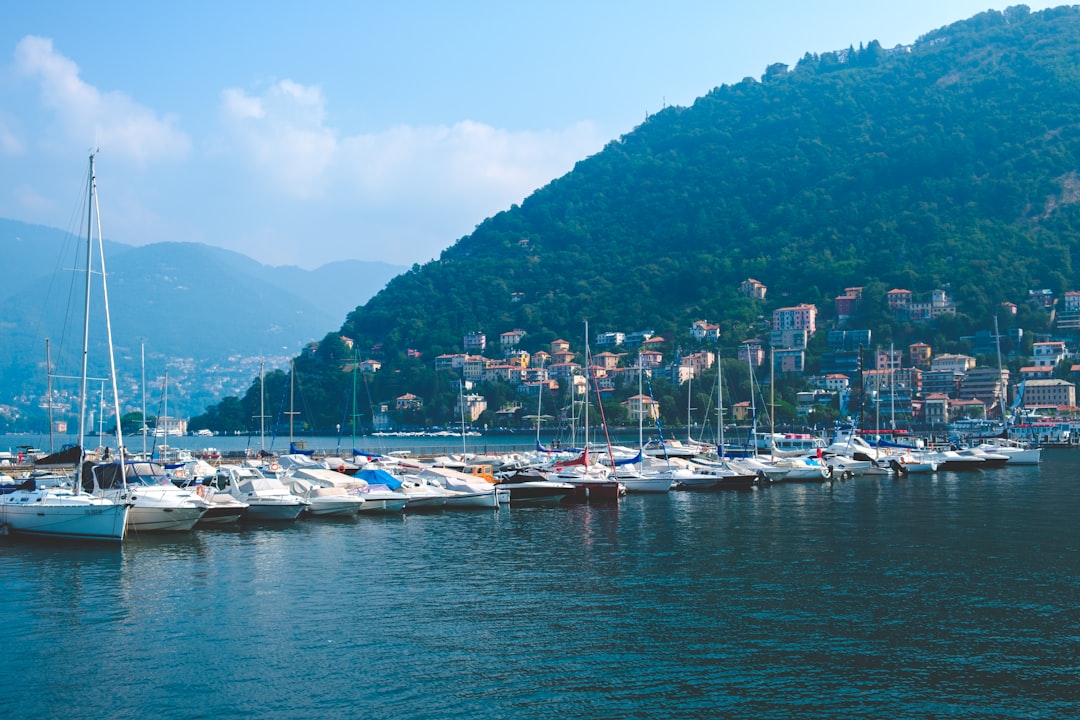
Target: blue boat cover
379 477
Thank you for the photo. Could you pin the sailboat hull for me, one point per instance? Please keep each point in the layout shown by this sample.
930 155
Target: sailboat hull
80 517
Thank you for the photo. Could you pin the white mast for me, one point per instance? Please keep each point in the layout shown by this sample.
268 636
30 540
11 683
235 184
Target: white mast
165 412
95 211
48 383
262 408
689 400
719 405
588 385
143 366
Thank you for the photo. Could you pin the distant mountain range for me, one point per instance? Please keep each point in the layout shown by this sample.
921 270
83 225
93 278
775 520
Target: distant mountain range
209 315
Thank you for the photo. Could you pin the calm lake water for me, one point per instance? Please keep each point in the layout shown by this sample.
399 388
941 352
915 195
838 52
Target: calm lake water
953 595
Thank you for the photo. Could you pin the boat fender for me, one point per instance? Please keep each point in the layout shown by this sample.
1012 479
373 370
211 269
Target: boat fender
5 529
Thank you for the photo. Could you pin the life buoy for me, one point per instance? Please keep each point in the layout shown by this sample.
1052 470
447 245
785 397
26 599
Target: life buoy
200 490
341 469
274 467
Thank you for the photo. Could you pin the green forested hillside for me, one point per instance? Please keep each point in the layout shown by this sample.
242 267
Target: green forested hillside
952 163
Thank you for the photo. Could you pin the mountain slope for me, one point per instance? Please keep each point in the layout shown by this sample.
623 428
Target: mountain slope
953 162
208 313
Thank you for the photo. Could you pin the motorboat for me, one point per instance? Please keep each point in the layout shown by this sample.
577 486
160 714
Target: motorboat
464 490
590 481
1018 453
637 482
533 488
423 493
729 476
224 508
380 490
324 500
913 463
267 498
157 505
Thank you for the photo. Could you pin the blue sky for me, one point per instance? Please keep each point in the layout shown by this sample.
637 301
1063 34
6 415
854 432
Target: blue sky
303 133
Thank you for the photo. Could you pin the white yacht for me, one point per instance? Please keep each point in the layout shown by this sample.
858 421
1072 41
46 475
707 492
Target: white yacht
156 504
327 492
267 498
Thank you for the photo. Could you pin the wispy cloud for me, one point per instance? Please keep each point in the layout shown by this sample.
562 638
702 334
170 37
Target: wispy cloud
85 115
465 171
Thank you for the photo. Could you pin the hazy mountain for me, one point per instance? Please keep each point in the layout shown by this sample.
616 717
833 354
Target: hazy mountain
206 313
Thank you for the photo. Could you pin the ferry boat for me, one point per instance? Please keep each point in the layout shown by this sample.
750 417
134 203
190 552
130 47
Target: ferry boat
1045 433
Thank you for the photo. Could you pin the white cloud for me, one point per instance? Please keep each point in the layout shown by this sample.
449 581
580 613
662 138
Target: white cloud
110 120
283 136
462 172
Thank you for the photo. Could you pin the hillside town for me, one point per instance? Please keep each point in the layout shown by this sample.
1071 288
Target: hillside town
911 386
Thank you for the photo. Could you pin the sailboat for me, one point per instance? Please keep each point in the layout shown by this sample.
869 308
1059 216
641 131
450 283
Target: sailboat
591 480
59 508
634 479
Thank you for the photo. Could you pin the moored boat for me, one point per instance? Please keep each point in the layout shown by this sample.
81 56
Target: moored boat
532 488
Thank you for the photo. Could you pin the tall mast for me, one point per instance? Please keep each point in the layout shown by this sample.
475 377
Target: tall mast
262 408
753 403
165 411
772 401
461 402
588 375
356 362
144 427
1004 395
291 413
689 400
48 391
641 404
719 405
86 319
109 334
892 390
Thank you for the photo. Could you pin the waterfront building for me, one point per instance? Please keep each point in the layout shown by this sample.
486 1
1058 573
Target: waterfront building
474 406
408 401
1054 393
